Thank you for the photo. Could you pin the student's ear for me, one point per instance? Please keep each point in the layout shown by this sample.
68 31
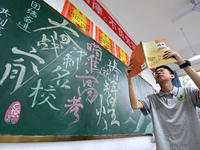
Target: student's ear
172 76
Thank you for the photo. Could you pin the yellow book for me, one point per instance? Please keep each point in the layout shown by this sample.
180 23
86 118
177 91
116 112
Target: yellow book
149 55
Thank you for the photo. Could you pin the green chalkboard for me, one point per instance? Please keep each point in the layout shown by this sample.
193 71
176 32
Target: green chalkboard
55 80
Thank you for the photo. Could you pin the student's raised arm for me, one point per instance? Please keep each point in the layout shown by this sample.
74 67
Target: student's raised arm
189 70
135 104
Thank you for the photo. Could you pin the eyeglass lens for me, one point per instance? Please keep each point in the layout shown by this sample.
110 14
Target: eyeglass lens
161 71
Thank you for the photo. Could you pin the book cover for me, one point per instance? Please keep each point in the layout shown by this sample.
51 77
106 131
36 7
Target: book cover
137 60
154 52
149 55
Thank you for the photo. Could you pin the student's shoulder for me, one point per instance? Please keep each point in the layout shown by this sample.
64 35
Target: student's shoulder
153 96
188 89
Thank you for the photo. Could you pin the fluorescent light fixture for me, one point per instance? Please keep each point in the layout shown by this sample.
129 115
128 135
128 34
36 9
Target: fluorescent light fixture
195 57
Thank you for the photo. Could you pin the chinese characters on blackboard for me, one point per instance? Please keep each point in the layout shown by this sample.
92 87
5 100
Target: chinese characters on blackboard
4 16
42 94
29 17
54 80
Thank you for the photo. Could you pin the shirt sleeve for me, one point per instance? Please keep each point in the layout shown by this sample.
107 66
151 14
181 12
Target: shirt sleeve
146 103
194 92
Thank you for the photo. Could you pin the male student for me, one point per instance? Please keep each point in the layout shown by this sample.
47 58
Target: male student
173 110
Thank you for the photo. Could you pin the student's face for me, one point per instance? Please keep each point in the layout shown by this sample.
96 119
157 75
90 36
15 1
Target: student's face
163 74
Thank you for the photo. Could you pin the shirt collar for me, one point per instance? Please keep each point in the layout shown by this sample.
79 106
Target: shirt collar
173 92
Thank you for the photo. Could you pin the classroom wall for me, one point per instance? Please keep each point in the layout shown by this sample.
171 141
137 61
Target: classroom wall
136 143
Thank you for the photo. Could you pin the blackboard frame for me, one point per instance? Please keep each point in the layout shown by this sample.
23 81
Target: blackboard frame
33 139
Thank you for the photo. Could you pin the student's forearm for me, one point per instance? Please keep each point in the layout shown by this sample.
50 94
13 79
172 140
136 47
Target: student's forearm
189 70
193 75
135 104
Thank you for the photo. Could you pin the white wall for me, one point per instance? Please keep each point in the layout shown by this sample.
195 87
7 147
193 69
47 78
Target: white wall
131 143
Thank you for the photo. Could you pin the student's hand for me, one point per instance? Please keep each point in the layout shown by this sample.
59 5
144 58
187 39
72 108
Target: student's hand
170 53
129 68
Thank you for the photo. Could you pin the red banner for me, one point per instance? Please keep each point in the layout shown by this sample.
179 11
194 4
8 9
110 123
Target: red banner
103 14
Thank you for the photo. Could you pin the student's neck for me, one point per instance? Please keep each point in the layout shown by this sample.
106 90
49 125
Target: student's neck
166 87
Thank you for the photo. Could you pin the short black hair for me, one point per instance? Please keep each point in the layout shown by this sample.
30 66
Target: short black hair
166 67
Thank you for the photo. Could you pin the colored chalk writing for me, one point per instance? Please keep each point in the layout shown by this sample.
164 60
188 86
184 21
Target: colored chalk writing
57 81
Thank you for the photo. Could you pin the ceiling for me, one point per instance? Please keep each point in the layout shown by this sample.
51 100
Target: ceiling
148 20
